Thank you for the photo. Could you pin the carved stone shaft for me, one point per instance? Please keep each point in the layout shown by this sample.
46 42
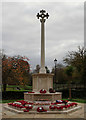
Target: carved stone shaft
42 70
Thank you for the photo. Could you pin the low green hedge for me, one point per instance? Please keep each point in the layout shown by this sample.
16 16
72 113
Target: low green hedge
81 94
13 95
74 93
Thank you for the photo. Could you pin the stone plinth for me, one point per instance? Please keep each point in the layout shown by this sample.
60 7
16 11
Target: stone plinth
42 81
36 96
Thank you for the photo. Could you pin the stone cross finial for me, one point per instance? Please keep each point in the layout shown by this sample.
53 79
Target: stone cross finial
43 16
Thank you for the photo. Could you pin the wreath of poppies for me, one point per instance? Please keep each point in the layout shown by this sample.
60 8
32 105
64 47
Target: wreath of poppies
60 108
43 91
52 107
61 101
26 106
31 92
22 102
15 105
41 109
66 106
26 110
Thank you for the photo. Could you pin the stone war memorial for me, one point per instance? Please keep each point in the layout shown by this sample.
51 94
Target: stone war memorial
42 99
42 80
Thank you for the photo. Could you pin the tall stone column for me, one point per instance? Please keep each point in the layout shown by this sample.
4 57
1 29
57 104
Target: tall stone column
42 15
42 70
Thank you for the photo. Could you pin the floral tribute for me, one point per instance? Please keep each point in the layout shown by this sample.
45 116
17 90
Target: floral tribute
22 102
26 110
60 108
43 91
65 105
41 109
15 105
70 105
52 107
31 92
61 101
27 106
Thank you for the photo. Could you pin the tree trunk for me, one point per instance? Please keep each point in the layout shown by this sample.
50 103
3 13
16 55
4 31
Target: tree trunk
70 87
4 87
70 91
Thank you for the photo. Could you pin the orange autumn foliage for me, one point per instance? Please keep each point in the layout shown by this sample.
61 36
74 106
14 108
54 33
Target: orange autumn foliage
15 69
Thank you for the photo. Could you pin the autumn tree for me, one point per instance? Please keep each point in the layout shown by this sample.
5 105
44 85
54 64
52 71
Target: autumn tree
59 76
15 70
78 60
5 71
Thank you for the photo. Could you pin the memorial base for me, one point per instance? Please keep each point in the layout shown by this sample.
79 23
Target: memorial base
42 81
47 96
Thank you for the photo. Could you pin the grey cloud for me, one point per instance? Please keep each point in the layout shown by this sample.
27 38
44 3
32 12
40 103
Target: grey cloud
63 30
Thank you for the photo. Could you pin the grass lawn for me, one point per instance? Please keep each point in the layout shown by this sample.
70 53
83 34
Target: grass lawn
8 101
14 88
77 100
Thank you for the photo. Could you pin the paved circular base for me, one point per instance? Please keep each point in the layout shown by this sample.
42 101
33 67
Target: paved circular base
80 113
48 112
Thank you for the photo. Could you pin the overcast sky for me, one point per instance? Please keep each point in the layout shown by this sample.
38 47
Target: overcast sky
21 35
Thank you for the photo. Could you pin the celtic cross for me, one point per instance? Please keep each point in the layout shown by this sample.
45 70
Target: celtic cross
43 16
